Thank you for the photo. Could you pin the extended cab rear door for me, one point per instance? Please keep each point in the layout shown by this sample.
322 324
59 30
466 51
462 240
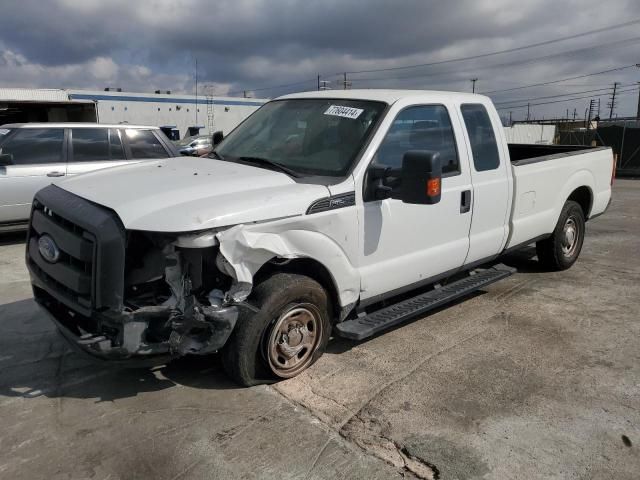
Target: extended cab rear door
405 245
491 179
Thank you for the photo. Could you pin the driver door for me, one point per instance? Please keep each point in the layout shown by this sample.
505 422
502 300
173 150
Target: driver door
405 245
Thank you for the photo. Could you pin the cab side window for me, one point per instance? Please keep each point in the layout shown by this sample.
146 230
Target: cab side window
96 144
426 127
32 146
481 136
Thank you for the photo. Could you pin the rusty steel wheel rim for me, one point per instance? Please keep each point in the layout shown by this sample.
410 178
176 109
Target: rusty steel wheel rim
294 338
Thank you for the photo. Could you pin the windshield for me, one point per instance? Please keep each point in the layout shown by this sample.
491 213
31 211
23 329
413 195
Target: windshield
309 136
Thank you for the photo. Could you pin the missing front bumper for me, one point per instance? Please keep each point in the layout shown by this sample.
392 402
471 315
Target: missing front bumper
147 336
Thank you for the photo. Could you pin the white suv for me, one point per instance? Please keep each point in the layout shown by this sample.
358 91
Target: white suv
33 155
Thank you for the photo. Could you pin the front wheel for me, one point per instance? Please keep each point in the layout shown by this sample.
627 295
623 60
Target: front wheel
562 248
286 336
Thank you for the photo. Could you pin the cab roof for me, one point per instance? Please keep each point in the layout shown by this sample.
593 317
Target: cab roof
385 95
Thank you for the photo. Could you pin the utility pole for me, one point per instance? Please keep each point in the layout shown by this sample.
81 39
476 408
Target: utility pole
575 112
638 112
473 85
528 105
586 116
510 119
244 94
590 115
612 102
197 91
346 84
318 82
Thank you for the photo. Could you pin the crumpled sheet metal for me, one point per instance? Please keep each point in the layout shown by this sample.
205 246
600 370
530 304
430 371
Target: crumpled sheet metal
246 248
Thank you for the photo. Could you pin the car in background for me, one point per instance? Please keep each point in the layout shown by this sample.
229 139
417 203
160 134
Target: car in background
195 146
34 155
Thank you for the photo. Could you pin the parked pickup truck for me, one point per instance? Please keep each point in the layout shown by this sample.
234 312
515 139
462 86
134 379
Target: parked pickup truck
337 212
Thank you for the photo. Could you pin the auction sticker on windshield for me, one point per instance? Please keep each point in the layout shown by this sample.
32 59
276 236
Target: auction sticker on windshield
4 131
346 112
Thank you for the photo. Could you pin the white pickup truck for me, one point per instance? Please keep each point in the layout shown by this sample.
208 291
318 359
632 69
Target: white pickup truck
337 212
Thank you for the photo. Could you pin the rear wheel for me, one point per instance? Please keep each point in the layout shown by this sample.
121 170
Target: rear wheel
286 336
562 248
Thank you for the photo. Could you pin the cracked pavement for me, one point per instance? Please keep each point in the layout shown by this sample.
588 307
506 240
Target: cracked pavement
538 376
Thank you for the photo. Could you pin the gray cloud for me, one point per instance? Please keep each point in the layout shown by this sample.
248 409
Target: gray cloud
247 44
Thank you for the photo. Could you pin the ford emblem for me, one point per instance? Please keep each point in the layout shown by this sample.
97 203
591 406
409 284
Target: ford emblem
48 249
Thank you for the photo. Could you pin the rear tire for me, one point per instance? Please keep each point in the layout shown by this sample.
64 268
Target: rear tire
286 336
562 248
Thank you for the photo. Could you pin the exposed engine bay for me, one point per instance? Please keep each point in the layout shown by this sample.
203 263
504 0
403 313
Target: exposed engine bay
180 293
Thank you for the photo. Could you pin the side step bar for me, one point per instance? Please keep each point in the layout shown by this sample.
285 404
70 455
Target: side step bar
364 327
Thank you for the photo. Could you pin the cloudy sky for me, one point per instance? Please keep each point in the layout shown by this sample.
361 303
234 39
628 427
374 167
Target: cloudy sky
251 44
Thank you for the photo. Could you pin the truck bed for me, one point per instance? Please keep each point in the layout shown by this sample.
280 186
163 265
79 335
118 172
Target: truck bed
544 176
522 153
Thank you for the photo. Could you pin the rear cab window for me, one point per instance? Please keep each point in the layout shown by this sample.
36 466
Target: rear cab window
484 146
96 144
143 144
33 146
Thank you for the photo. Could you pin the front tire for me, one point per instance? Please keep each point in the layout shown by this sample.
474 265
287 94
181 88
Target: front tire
286 336
563 247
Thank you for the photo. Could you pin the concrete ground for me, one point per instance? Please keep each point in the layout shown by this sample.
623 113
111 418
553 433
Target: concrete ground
538 376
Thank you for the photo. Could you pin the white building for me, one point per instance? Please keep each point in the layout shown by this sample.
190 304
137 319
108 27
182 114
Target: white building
187 114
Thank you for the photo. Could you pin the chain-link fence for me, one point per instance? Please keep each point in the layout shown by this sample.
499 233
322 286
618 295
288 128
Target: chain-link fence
623 136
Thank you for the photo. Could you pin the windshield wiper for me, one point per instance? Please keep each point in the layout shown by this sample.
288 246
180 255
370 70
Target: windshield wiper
270 163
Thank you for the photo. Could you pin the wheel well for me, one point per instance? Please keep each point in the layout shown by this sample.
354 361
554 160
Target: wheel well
303 266
583 197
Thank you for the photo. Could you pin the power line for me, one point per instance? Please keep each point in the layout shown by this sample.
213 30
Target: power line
558 95
512 107
526 105
309 80
509 50
563 79
504 64
473 57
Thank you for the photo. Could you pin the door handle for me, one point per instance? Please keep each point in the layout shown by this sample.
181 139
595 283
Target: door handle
465 201
55 174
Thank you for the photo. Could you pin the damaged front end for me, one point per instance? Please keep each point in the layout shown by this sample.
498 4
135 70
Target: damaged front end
180 291
119 294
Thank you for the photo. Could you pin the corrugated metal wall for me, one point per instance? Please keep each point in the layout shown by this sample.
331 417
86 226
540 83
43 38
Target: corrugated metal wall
179 110
33 95
530 134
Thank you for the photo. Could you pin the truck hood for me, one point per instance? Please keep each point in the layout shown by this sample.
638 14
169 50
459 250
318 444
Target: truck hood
186 194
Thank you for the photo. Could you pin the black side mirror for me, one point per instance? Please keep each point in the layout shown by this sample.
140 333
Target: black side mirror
6 159
421 177
217 138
